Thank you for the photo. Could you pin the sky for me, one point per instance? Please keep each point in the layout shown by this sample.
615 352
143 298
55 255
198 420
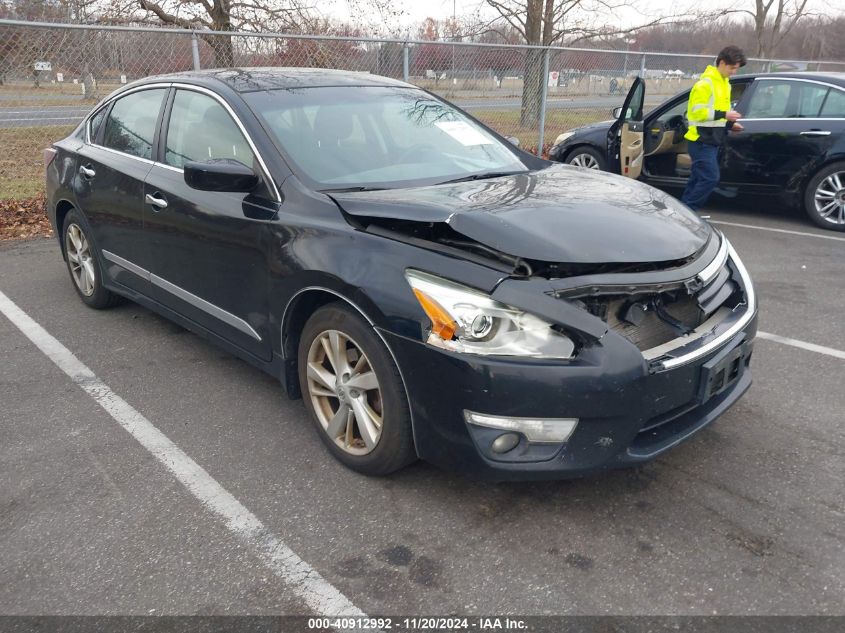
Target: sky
414 12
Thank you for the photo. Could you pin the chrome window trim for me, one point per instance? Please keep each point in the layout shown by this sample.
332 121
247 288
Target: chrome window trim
188 297
200 89
799 118
801 79
106 103
237 120
124 154
745 319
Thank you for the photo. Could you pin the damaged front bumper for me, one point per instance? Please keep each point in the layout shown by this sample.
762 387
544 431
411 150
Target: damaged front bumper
630 404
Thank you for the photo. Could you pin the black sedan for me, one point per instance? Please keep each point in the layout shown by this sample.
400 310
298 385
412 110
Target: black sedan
429 289
792 147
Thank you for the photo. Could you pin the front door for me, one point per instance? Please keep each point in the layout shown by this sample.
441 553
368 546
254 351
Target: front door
785 135
109 185
625 138
209 249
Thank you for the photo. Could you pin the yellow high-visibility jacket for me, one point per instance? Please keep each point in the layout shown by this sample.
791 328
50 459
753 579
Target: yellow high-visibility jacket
709 102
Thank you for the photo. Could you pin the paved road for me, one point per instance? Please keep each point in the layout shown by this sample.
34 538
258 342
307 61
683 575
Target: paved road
28 116
746 518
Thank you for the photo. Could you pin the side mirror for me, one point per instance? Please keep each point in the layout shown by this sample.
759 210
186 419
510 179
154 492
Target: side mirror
616 112
513 140
220 174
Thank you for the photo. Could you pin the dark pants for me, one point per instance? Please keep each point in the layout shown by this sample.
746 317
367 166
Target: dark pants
704 176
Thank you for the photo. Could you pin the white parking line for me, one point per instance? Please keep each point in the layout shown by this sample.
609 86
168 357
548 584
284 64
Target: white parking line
768 228
812 347
303 580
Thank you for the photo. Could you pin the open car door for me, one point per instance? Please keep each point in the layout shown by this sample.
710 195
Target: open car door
625 138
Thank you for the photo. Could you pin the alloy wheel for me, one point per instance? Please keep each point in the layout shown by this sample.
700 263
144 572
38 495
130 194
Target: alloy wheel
829 198
79 259
345 392
584 160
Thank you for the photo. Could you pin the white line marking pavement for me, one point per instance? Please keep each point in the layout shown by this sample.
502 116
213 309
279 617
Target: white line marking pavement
768 228
54 118
812 347
303 580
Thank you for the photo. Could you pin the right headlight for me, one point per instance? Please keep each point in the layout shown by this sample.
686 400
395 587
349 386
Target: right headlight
468 321
562 137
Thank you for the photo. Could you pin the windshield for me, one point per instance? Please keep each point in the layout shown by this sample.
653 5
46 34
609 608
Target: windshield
345 137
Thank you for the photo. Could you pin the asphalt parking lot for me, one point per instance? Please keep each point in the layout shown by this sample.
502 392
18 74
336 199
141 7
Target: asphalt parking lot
746 518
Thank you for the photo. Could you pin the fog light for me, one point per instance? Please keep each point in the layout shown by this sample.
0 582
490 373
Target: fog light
504 443
535 430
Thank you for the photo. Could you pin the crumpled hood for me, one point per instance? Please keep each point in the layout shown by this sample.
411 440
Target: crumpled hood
560 214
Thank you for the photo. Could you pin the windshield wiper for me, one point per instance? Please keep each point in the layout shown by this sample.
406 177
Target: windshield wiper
482 176
348 189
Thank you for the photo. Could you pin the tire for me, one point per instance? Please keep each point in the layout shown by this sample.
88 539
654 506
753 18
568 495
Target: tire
824 197
83 263
587 157
346 414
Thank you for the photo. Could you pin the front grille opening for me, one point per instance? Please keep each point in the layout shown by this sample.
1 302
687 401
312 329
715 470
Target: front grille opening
650 320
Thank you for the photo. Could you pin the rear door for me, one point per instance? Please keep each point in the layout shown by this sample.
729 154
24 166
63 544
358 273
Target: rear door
785 138
109 185
209 249
625 138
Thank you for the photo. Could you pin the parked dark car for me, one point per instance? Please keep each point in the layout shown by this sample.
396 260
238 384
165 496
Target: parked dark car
792 147
429 289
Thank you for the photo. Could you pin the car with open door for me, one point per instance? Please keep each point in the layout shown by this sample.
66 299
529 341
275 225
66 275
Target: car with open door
427 288
792 147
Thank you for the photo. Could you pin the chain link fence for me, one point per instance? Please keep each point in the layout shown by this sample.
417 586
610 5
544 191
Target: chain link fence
51 75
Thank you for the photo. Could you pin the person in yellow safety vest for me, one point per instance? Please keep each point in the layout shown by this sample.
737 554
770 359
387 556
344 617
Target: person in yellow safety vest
710 118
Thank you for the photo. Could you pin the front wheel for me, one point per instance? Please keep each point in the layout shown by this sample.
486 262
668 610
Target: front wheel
588 158
824 198
354 392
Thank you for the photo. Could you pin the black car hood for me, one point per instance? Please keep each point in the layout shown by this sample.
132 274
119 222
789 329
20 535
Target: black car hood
558 214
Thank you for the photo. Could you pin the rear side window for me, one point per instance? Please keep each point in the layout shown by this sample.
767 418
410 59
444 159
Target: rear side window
95 123
201 129
770 100
834 105
130 127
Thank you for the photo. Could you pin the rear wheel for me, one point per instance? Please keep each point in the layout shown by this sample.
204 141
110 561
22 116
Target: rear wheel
83 263
587 157
824 198
354 393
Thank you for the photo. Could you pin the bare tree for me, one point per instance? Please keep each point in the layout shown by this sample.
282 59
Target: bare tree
218 16
548 22
773 20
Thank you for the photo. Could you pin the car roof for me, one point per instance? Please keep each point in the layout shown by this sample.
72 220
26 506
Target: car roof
829 77
255 79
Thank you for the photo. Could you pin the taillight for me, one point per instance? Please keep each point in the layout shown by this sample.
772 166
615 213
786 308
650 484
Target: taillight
49 155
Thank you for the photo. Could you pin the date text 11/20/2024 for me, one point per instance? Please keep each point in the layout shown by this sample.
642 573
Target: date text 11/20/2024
417 624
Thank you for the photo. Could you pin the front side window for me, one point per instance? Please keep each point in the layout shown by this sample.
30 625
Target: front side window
131 125
201 129
378 136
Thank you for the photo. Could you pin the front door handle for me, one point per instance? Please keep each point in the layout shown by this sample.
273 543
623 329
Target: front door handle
87 172
161 203
816 133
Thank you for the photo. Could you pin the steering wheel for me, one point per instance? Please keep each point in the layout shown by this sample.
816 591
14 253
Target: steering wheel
417 148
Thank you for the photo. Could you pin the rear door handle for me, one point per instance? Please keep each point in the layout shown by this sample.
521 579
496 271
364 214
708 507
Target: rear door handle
816 133
87 172
161 203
